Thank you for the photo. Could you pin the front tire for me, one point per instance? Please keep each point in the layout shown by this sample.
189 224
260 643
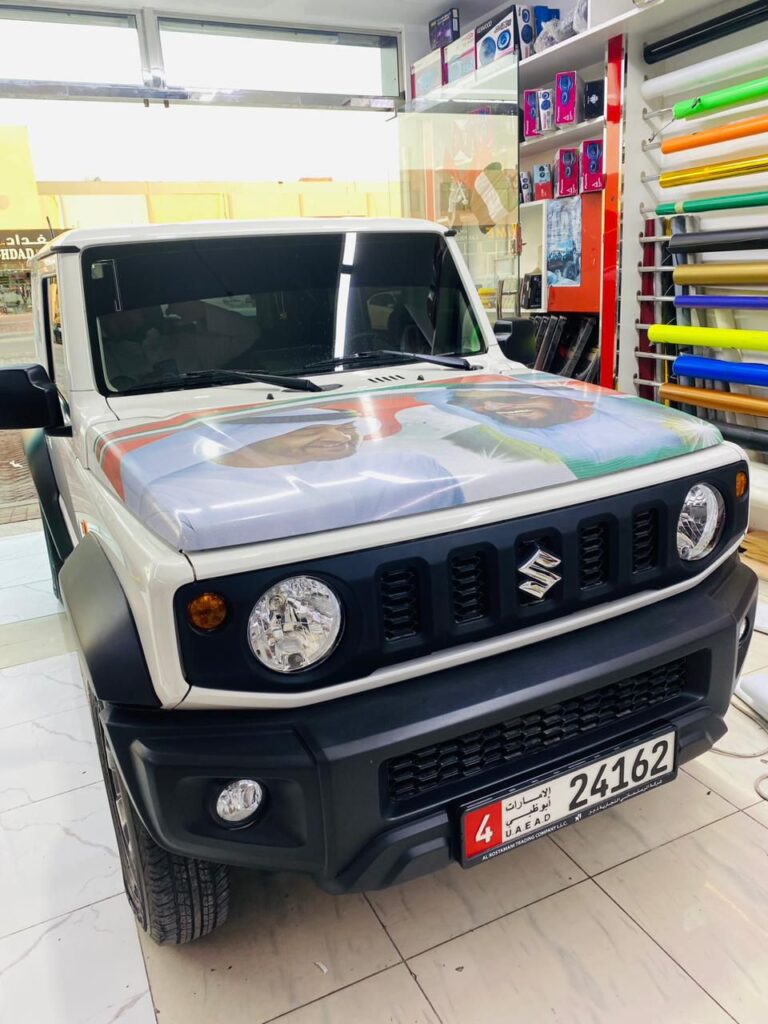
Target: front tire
175 899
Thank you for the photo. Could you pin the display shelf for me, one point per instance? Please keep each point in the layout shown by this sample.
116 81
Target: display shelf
588 47
562 136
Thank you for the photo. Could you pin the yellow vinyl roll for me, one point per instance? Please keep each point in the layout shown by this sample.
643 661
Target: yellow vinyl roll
709 399
713 172
710 337
721 273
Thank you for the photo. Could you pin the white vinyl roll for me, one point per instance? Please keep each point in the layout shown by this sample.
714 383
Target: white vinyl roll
708 73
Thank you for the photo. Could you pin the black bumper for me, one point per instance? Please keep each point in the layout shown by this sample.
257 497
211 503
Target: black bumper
332 811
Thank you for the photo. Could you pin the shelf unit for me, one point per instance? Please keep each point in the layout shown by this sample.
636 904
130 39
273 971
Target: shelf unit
562 137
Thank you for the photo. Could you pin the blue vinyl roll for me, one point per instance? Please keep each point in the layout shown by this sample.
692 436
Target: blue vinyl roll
720 369
721 301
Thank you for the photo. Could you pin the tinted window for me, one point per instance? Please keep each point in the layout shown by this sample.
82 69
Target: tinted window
273 304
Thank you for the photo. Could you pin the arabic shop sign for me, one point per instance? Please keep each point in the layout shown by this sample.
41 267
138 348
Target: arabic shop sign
19 246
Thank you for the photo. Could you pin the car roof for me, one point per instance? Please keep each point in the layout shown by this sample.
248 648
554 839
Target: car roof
77 239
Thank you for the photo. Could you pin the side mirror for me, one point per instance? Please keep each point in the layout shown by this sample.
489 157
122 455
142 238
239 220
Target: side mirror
517 339
28 398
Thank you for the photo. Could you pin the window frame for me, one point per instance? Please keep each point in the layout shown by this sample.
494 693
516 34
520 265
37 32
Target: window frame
45 283
155 88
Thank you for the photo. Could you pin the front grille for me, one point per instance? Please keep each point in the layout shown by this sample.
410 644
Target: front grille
594 555
645 540
399 590
473 753
469 586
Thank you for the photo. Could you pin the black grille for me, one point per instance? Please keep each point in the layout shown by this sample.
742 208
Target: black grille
594 555
645 540
469 586
473 753
399 589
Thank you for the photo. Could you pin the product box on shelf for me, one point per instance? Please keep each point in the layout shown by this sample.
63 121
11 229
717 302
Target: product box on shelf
526 190
569 98
459 57
495 38
566 172
530 114
546 110
542 181
444 29
526 32
592 173
427 74
594 99
542 14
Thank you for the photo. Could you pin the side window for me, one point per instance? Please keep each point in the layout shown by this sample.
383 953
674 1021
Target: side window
54 335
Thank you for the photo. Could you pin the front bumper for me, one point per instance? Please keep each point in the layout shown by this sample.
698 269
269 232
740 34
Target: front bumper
330 812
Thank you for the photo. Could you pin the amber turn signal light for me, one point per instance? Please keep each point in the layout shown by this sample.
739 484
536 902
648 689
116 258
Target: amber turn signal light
742 483
207 612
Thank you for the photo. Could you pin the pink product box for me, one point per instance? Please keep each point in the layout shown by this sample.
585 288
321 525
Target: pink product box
495 38
531 113
566 172
592 172
569 98
459 57
542 181
427 74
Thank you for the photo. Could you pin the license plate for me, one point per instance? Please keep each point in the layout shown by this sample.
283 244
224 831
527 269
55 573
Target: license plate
519 816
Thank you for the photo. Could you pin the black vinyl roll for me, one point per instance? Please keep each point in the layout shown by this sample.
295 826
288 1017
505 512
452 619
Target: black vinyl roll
719 241
752 438
706 32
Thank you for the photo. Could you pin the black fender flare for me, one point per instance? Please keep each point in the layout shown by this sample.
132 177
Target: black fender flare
104 627
44 479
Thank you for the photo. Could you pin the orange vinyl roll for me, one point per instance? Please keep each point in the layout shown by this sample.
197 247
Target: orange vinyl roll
725 133
721 273
710 399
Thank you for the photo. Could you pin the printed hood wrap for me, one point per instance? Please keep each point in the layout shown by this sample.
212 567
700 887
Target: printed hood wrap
282 469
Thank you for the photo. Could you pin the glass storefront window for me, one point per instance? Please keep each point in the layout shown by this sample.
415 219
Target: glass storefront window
62 46
207 55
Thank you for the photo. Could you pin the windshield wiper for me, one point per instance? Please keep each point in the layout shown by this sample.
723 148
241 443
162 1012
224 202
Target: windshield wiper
452 362
274 380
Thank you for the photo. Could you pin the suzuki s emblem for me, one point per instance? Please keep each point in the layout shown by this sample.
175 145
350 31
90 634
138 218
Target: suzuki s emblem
538 569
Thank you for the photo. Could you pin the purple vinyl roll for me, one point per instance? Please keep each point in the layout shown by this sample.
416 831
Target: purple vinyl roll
721 301
720 369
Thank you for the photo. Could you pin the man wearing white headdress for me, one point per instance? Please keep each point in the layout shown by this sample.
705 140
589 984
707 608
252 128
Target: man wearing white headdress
251 477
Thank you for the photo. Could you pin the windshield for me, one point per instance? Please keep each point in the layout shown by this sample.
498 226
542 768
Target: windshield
169 311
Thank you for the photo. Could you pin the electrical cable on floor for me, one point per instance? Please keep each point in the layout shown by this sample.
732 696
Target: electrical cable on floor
746 710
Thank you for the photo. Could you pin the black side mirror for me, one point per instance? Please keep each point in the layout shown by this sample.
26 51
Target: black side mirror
28 398
517 339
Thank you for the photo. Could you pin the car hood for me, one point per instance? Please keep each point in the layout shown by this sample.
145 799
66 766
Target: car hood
273 469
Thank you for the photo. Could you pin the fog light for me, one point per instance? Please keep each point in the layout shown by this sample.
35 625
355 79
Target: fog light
743 628
239 800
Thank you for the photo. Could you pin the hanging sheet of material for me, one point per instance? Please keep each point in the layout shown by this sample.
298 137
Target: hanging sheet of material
706 32
723 401
720 241
719 99
709 337
716 136
754 302
722 273
714 172
746 61
752 374
740 201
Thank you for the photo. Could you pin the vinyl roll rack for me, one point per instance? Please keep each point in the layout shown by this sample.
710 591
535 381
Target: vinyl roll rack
698 339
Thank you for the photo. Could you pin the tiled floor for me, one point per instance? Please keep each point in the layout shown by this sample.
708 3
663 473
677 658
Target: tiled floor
654 911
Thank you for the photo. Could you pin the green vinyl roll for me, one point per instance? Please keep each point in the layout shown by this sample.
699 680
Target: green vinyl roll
731 96
736 202
710 337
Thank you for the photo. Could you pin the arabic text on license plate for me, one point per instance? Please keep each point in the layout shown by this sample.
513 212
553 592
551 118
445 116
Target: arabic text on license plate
518 817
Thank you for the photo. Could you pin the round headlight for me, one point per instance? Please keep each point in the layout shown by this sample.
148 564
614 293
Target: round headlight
701 522
295 624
